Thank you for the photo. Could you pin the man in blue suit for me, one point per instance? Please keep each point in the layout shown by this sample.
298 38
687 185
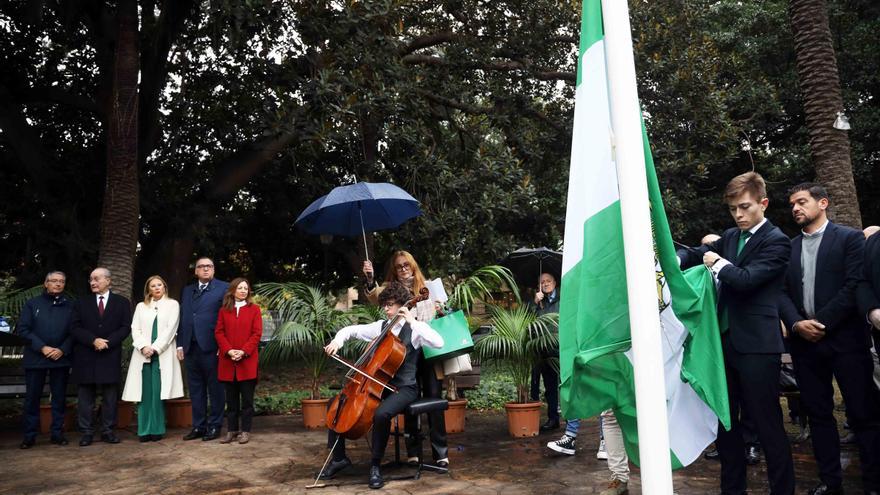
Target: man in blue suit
199 304
830 338
749 262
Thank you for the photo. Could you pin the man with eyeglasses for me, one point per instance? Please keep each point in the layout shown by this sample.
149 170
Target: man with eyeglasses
44 323
197 347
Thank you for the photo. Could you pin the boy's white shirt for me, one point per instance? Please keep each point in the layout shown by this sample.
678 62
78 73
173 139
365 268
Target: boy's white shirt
422 333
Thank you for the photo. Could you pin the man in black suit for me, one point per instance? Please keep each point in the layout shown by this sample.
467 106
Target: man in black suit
869 291
829 337
99 324
197 347
749 262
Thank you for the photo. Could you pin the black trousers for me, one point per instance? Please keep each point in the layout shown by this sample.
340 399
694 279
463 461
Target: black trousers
393 403
854 374
35 379
753 386
551 387
240 404
201 373
86 404
430 387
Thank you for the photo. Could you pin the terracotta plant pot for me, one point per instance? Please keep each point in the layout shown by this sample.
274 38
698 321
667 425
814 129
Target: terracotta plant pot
398 425
315 413
523 419
46 417
124 414
454 416
178 413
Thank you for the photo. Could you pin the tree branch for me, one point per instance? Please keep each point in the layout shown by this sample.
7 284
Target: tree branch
428 40
60 96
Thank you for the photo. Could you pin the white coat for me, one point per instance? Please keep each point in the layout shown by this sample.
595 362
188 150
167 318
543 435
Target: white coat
168 312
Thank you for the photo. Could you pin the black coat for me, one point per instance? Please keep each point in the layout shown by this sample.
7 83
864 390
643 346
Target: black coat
838 272
89 365
45 320
868 293
750 286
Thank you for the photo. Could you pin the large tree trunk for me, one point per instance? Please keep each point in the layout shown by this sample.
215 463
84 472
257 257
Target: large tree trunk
820 86
121 207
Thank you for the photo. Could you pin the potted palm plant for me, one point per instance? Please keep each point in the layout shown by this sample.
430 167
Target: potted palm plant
516 343
308 321
478 286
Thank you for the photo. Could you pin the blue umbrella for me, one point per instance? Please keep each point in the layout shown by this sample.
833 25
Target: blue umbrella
357 209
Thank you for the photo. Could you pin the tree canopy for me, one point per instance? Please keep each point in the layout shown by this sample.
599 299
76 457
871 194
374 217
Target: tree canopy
249 111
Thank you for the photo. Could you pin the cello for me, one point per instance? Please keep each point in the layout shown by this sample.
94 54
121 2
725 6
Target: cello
351 412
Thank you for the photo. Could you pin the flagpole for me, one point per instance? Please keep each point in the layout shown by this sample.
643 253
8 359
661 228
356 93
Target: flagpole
644 317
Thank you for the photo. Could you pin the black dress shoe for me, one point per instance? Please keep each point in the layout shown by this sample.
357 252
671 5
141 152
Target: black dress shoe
195 433
109 438
376 480
85 441
753 455
62 440
155 438
711 454
211 434
824 489
145 438
27 443
550 425
335 467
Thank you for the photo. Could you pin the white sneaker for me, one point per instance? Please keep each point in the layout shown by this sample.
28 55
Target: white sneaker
601 454
564 445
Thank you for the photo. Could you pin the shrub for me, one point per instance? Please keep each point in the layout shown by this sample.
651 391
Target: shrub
495 390
285 402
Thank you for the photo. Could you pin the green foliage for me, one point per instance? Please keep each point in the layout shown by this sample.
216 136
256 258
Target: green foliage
495 390
517 342
309 321
13 300
480 285
285 402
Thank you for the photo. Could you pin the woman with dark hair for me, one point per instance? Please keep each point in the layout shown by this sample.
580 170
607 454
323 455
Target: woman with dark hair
238 332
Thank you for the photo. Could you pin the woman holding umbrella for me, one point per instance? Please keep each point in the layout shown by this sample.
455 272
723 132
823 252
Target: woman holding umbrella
404 269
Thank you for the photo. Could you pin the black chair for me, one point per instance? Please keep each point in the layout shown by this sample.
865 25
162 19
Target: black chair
416 410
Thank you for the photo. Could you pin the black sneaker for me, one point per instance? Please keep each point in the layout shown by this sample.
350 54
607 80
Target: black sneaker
564 445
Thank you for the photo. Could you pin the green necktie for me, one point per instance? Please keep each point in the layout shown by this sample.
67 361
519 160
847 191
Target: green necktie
743 237
724 324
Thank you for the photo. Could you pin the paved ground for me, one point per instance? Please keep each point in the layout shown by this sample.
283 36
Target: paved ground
283 457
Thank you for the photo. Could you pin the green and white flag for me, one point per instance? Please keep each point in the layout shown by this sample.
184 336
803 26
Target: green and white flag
596 360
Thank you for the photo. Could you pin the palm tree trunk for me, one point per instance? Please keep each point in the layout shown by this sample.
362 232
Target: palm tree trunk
121 208
820 86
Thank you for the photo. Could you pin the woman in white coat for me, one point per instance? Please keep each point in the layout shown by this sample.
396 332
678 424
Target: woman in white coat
154 372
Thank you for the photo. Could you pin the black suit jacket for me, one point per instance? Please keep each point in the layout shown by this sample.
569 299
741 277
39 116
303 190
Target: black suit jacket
89 365
838 272
750 286
868 293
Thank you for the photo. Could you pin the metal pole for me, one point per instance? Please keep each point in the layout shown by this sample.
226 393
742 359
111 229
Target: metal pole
653 428
364 234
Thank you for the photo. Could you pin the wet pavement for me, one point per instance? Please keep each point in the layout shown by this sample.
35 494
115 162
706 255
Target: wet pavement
283 457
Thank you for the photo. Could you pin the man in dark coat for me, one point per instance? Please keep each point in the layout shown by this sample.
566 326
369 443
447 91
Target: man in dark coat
45 324
869 291
199 305
547 301
829 337
749 262
100 323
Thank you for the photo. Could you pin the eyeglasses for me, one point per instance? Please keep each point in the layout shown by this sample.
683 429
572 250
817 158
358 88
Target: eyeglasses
403 266
204 267
56 281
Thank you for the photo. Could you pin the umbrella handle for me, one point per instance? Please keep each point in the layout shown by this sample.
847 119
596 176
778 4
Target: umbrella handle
363 232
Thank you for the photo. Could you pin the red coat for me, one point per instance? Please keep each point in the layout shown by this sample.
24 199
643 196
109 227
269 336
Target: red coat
238 332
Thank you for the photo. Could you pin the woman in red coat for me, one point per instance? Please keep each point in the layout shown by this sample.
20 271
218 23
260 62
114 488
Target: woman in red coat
238 331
